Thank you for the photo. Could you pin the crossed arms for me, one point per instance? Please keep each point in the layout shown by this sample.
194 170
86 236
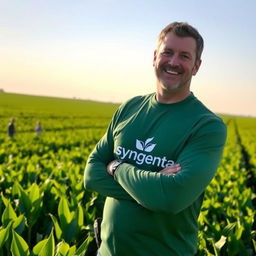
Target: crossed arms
197 163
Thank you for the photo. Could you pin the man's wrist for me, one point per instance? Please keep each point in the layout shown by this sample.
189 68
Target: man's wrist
112 167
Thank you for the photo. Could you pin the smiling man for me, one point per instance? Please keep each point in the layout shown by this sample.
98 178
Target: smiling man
158 155
176 60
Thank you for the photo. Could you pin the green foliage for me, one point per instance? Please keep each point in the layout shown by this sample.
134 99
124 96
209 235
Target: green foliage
45 210
227 219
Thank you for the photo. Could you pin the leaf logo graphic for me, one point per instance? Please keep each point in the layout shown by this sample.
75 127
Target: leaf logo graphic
147 146
140 145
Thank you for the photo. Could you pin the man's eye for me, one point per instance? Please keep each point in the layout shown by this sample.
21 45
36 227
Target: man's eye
166 53
184 56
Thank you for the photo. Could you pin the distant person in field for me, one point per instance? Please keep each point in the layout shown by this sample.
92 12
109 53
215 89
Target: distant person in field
38 128
157 156
11 127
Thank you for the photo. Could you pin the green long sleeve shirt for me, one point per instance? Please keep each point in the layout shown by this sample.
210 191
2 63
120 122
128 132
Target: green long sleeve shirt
146 212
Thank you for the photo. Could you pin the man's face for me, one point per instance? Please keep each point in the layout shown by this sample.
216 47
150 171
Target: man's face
175 63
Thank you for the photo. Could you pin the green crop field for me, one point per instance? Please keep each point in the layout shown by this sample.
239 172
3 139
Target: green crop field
45 210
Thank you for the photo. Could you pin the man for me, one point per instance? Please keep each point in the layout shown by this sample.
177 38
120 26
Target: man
157 157
11 128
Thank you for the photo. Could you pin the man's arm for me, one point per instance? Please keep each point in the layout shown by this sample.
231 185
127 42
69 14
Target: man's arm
170 170
95 175
166 193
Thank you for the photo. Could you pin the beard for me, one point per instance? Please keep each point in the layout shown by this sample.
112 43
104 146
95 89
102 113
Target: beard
170 82
174 87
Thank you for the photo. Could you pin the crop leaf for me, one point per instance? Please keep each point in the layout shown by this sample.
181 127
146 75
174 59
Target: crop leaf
57 228
19 224
8 214
84 246
36 203
229 228
80 216
45 247
219 244
63 249
34 193
49 247
71 230
64 213
72 251
38 247
4 199
24 202
16 189
19 245
4 234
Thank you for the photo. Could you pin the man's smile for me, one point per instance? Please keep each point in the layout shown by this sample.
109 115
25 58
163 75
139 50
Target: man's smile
171 71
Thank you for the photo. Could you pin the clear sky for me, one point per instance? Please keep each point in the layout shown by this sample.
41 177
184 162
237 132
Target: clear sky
103 49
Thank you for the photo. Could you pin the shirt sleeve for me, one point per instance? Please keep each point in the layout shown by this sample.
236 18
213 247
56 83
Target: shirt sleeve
199 161
96 176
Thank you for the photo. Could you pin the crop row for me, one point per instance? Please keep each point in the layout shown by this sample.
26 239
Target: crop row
42 193
227 219
44 207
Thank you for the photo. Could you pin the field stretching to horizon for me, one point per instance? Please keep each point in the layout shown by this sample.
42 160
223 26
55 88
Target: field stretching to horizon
44 209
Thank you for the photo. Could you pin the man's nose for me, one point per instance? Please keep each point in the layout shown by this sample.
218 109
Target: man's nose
173 61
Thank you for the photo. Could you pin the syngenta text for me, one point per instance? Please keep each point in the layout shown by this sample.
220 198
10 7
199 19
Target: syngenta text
141 158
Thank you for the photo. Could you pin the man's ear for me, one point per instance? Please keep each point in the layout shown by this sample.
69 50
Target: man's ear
196 67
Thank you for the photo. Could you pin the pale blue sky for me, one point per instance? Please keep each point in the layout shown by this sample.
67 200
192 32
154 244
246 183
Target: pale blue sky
103 49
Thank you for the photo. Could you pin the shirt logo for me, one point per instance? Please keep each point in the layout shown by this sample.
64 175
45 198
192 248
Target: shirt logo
147 146
142 156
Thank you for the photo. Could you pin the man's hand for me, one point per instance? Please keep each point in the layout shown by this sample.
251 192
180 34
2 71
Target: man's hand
109 167
112 166
171 170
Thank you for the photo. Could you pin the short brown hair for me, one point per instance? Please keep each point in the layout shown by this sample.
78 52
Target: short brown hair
183 29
